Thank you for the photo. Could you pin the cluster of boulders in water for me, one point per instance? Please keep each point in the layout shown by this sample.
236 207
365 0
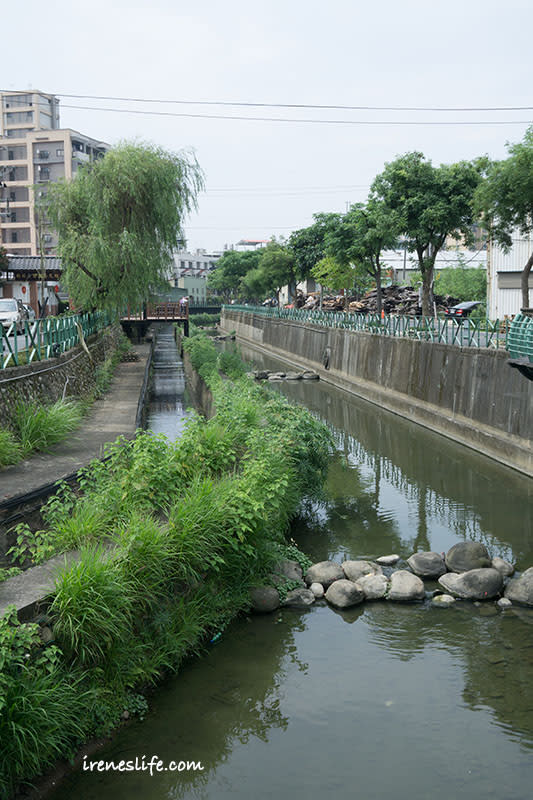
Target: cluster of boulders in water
465 572
268 375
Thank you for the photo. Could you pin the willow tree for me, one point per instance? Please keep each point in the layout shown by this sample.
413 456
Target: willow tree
119 221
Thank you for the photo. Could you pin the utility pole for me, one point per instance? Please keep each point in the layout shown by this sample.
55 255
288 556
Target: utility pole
39 210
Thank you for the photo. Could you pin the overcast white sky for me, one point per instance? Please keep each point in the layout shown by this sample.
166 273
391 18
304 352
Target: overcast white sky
268 178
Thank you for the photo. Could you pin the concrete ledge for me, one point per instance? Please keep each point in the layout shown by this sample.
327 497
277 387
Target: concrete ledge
29 590
507 448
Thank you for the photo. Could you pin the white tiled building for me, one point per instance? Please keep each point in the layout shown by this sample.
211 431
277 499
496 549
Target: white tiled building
34 151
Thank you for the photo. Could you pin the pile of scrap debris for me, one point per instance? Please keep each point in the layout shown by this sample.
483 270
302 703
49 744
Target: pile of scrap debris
394 299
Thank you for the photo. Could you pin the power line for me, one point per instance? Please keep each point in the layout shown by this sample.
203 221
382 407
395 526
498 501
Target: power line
327 107
337 188
296 120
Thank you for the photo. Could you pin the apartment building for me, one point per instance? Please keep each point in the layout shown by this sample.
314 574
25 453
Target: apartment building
34 152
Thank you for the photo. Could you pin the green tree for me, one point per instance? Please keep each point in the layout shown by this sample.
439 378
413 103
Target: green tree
462 283
255 285
231 268
505 200
277 265
360 237
335 275
432 203
120 220
308 245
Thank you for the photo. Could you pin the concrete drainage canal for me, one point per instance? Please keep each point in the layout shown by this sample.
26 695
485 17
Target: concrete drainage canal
167 405
384 700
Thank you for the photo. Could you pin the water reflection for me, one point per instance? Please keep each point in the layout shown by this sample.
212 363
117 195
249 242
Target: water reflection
435 491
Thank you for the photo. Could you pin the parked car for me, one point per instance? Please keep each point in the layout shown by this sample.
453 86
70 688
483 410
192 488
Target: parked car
12 310
461 310
30 312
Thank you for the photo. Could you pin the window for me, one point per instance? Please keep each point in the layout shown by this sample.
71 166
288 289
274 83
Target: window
13 216
14 236
60 151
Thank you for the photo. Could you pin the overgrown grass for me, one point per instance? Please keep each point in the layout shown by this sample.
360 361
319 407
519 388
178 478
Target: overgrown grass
10 449
192 525
37 427
40 427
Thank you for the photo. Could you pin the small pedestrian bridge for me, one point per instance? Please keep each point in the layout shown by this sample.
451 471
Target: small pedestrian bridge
135 322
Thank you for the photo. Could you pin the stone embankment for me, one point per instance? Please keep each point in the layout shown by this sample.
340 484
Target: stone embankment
465 572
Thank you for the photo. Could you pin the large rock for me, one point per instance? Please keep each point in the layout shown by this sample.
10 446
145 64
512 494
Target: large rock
264 599
388 561
325 572
290 570
505 567
318 590
427 564
354 570
299 598
465 556
520 590
443 601
405 587
344 593
476 584
374 587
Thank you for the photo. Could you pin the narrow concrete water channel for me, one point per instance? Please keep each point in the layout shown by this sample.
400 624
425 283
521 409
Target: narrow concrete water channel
383 701
167 406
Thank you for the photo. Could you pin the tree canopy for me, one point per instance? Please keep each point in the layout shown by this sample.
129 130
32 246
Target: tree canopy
230 270
119 221
360 237
505 200
431 204
308 245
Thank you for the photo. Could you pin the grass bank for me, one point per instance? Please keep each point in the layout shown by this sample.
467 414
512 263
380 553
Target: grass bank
37 428
172 535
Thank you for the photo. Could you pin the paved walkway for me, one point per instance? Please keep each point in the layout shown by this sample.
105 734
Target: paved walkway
112 416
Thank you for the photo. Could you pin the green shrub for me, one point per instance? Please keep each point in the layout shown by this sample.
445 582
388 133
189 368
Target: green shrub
40 705
203 319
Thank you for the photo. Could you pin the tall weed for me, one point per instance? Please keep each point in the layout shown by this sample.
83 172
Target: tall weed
10 449
40 427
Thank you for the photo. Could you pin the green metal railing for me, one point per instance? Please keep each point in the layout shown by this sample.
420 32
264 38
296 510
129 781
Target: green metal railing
464 333
46 338
521 336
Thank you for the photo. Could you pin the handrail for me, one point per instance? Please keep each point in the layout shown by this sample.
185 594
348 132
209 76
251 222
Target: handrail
48 337
463 333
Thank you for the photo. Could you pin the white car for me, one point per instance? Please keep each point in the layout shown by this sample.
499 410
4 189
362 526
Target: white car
12 310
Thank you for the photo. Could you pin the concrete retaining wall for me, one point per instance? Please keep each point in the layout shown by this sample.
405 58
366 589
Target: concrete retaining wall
467 394
44 381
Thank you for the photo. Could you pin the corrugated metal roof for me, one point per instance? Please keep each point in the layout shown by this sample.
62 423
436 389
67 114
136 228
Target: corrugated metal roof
33 262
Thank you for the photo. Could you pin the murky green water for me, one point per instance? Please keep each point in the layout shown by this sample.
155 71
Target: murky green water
383 701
